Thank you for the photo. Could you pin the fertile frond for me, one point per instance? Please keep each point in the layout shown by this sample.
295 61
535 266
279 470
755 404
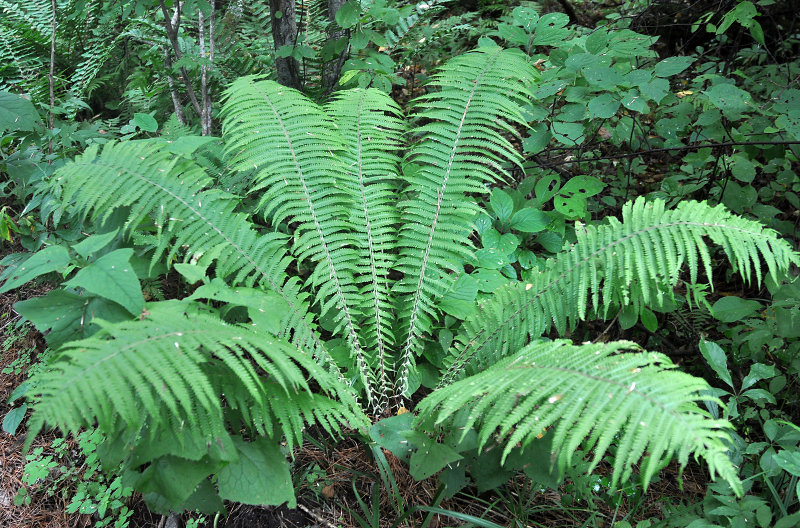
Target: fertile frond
163 369
460 150
292 145
368 123
152 182
588 397
634 262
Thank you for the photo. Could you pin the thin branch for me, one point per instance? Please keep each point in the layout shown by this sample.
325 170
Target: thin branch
172 34
51 76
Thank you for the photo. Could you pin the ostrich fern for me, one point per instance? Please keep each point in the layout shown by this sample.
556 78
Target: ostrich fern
381 238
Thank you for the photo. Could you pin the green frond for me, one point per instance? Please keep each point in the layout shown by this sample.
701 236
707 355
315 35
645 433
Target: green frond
460 150
149 180
173 366
588 397
635 262
292 145
368 123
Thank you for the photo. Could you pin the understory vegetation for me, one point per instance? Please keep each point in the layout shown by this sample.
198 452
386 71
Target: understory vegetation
376 263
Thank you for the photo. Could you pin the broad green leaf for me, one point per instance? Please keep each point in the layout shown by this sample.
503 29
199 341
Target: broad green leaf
743 169
430 457
266 310
65 316
491 258
48 260
758 372
789 461
525 17
529 220
730 99
551 30
569 134
174 478
633 100
94 243
502 204
649 319
347 16
260 476
460 300
717 360
388 433
16 113
603 106
13 418
186 145
732 309
193 273
673 66
489 280
538 138
146 122
112 276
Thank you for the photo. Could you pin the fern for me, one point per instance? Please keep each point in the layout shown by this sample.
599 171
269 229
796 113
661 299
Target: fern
460 151
269 128
382 245
368 123
173 365
151 181
587 397
636 262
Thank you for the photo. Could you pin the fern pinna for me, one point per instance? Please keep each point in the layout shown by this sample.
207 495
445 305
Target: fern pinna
321 286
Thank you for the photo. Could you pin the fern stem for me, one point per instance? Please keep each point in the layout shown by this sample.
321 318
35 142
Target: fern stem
363 368
410 341
384 382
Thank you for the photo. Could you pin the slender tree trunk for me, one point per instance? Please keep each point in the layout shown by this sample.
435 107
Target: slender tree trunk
204 110
51 76
334 68
172 24
176 101
284 33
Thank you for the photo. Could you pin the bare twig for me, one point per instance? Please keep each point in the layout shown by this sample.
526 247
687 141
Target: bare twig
51 76
172 34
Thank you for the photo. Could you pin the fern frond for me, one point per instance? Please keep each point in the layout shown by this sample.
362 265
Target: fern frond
460 151
291 143
634 262
588 397
163 368
368 123
170 189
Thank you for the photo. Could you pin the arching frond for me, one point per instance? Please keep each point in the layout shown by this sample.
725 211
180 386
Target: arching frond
590 397
368 123
292 145
170 189
460 150
634 262
163 369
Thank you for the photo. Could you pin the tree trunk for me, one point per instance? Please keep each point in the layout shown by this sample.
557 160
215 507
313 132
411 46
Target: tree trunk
334 68
284 33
